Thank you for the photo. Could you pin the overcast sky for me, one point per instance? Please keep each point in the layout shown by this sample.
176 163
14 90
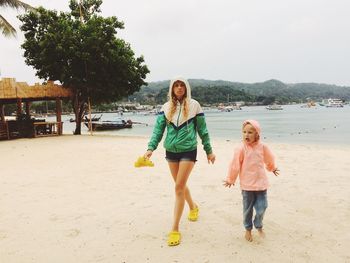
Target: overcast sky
237 40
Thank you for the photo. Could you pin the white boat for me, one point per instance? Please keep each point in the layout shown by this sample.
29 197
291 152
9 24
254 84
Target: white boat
274 107
229 108
333 103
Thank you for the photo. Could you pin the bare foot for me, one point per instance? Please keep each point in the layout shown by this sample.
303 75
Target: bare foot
248 235
261 232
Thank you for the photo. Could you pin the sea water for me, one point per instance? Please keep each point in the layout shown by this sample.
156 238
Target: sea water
293 124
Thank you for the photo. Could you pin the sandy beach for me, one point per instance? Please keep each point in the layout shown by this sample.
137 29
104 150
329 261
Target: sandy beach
80 199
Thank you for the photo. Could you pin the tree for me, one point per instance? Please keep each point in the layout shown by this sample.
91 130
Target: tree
6 28
80 49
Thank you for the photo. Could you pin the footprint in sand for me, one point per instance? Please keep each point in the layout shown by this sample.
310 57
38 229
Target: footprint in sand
209 187
53 217
223 215
73 232
3 235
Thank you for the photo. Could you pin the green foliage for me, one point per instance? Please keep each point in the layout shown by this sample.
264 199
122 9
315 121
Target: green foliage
105 107
268 92
10 108
219 94
5 27
83 53
42 107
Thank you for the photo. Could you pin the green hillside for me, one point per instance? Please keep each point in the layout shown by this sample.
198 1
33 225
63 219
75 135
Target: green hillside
267 92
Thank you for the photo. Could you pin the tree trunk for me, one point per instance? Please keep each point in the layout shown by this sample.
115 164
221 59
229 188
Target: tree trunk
79 109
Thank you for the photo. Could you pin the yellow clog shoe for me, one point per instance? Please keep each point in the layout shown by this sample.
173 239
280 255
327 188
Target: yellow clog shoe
142 161
193 214
174 238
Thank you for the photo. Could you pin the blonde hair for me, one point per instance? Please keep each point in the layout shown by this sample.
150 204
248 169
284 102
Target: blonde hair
173 103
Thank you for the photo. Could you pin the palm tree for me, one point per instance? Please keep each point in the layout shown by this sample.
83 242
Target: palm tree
6 28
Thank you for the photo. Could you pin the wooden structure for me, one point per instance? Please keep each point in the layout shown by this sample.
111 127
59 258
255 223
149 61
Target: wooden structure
12 92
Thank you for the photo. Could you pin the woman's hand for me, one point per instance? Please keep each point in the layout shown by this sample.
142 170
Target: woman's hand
211 158
227 184
148 154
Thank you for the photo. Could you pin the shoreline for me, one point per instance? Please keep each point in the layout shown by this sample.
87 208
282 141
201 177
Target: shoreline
80 199
221 139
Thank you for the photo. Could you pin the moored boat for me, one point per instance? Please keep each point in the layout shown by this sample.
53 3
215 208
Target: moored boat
332 103
108 125
274 107
86 119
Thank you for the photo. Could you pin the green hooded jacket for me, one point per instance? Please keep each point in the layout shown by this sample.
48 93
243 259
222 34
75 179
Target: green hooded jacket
181 135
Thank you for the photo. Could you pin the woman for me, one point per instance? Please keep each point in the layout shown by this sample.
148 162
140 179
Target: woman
183 118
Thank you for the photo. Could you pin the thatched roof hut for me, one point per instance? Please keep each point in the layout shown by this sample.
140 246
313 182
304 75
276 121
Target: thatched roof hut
11 91
20 92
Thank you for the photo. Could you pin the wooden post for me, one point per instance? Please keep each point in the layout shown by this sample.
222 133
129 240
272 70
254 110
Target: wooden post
27 118
59 116
28 104
90 124
19 107
3 121
2 113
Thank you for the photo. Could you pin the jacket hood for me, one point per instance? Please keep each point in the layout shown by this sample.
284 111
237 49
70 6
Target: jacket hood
188 88
255 124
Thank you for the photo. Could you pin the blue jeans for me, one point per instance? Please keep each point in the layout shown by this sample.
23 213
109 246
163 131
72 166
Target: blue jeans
258 201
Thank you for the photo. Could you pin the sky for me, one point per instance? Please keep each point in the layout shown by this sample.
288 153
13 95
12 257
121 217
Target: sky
247 41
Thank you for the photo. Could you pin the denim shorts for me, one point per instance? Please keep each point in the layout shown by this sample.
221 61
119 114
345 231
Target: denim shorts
184 156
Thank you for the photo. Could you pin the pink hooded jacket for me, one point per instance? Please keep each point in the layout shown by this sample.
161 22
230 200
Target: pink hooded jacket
248 162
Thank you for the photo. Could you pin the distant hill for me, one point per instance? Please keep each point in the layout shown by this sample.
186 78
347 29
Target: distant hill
216 91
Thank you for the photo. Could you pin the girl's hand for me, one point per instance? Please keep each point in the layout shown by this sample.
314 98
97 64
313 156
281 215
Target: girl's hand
148 154
227 184
276 172
211 158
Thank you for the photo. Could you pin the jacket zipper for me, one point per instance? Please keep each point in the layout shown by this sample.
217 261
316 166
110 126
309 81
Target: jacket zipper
177 125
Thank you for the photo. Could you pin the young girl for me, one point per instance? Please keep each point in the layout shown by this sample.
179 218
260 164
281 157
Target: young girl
183 118
248 162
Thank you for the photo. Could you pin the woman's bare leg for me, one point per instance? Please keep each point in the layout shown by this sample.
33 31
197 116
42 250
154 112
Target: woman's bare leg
183 171
174 168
